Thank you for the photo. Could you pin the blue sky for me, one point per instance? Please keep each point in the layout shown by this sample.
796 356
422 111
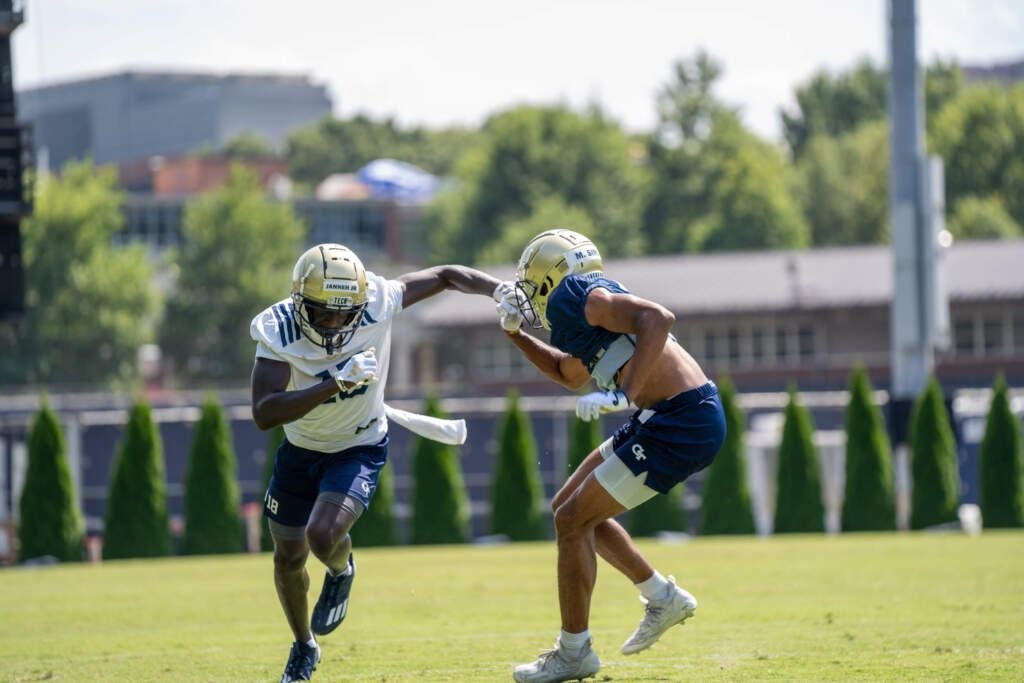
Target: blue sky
456 61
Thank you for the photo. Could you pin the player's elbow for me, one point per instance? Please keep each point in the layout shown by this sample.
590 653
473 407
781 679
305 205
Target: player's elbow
262 419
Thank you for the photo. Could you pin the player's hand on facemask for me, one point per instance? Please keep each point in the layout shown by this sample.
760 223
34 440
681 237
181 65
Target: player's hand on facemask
508 314
505 289
591 406
360 369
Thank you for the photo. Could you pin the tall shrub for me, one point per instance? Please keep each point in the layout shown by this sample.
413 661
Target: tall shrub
935 491
136 520
517 496
440 504
584 438
1002 497
50 522
868 503
376 526
726 500
663 512
798 506
212 521
274 438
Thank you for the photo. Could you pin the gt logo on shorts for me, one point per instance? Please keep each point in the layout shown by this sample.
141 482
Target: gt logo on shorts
366 487
638 451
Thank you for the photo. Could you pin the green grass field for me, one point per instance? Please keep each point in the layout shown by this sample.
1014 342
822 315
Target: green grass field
895 606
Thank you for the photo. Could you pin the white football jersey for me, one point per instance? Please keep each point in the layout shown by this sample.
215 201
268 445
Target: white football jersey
347 419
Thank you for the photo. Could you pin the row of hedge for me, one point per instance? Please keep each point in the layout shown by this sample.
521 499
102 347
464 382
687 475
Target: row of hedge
137 524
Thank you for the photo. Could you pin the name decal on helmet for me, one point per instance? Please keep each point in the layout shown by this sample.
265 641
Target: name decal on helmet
340 286
575 259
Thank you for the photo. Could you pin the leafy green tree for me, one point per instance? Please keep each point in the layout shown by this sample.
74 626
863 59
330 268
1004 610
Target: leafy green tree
344 145
1002 492
136 520
247 145
935 492
528 155
50 521
212 498
584 438
868 502
440 503
752 206
274 438
237 256
89 305
798 506
980 136
726 500
663 512
715 185
833 105
982 218
549 212
376 526
843 186
517 496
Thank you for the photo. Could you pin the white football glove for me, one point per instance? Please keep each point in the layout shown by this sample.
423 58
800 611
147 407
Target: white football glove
360 369
591 406
505 289
508 314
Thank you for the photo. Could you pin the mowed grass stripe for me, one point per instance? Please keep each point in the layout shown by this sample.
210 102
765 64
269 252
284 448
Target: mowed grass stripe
852 607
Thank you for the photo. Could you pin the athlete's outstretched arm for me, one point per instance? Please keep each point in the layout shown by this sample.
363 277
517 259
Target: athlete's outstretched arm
272 405
557 365
425 283
650 322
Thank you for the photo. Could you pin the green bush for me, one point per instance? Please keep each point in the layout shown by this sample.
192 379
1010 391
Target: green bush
663 512
868 503
136 520
274 438
934 495
798 506
376 526
517 497
50 522
584 438
440 505
726 505
212 521
1002 497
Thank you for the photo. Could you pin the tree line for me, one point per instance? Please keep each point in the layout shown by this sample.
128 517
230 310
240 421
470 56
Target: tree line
700 181
137 523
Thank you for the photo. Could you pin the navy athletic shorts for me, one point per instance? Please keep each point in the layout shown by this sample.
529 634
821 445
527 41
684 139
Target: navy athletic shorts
300 475
674 438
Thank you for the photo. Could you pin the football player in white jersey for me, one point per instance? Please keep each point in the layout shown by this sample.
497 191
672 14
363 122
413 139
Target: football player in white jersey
321 364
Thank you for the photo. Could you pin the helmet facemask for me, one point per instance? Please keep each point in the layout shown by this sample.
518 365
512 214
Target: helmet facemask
329 294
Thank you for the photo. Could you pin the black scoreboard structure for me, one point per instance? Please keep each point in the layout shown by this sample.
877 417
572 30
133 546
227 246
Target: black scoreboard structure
15 160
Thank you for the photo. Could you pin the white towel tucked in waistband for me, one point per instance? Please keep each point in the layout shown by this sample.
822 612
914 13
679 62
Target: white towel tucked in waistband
446 431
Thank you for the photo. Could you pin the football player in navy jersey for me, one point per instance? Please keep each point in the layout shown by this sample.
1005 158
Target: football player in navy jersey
322 359
624 343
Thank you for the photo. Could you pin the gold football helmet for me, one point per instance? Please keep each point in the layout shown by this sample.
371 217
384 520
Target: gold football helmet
545 262
329 294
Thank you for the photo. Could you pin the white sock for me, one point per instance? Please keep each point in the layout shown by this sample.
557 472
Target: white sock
311 642
654 588
571 644
344 572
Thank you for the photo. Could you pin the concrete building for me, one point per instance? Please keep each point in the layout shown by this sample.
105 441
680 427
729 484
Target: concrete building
134 115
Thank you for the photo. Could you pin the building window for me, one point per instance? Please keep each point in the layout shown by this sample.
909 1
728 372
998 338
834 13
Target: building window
805 340
501 361
963 337
782 344
992 334
733 345
757 345
711 346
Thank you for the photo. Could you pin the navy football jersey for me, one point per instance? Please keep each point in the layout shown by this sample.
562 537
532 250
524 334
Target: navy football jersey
570 331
